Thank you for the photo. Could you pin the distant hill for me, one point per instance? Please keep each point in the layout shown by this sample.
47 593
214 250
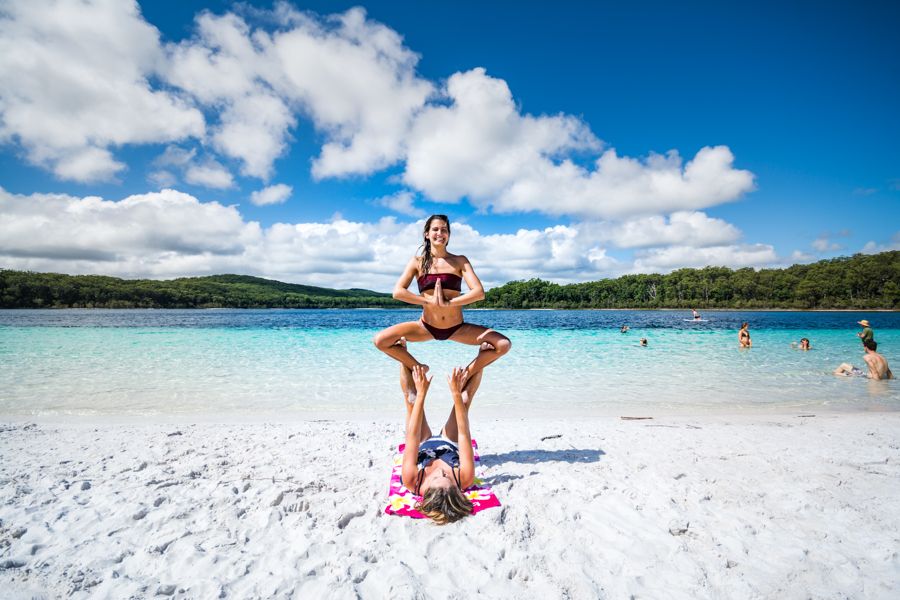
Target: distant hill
23 289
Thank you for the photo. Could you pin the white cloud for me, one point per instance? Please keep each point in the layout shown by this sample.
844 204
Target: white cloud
479 146
351 76
482 148
162 178
174 156
401 202
210 174
664 260
74 81
274 194
685 228
169 234
133 236
873 247
357 81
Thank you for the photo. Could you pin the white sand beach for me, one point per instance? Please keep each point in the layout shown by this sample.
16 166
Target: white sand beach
756 506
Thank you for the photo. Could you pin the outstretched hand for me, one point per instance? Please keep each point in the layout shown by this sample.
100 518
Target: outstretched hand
421 379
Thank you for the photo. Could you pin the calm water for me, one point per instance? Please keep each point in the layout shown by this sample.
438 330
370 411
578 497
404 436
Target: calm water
295 362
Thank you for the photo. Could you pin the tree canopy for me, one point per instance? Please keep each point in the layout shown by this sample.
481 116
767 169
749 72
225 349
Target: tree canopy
862 281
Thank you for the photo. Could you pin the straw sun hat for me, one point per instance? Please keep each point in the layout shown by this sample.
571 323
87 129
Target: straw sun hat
864 323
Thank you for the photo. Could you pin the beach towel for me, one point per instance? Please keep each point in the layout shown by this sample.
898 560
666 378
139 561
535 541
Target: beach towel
402 502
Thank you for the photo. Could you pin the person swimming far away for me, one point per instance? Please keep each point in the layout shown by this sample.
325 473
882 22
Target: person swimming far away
803 345
866 333
744 336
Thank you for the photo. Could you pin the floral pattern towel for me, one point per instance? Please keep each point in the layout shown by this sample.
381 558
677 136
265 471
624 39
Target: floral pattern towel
402 501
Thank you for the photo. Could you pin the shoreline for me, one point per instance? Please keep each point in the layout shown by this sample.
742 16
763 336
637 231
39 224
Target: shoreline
677 507
491 413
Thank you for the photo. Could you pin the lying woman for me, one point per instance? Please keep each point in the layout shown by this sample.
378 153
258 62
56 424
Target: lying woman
439 467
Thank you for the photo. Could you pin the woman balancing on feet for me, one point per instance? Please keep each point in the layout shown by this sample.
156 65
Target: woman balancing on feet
439 275
439 467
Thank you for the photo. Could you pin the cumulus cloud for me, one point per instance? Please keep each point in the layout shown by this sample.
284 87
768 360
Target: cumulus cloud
170 233
664 260
694 229
75 81
274 194
401 202
138 235
479 146
351 76
211 174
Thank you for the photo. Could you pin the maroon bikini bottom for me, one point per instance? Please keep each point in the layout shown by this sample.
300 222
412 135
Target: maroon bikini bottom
441 334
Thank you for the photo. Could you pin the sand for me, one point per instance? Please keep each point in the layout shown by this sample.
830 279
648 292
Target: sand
760 506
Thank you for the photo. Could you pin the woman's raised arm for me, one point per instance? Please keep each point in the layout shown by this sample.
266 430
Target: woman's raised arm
464 436
410 468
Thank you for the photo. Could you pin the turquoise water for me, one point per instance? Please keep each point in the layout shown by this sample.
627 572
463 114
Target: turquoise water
267 363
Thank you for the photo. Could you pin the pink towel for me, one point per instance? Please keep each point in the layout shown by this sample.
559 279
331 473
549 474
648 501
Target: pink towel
402 502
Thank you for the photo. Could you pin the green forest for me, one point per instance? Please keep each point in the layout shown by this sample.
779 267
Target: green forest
861 282
21 289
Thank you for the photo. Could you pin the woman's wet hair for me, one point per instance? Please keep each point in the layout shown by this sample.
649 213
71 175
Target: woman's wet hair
744 324
426 244
871 344
444 505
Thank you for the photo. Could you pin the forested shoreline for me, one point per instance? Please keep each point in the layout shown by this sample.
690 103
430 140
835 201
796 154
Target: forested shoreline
863 281
858 282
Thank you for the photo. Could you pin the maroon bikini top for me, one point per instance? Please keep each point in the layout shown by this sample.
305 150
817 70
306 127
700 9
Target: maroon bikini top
449 281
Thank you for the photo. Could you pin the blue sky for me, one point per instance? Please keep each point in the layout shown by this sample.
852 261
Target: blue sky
138 140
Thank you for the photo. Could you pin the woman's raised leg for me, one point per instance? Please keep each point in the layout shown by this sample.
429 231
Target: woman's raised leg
408 387
493 345
388 341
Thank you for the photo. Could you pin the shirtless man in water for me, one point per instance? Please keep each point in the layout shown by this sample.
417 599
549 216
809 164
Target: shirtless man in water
878 365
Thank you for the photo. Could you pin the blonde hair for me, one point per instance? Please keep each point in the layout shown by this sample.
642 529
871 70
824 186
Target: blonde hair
444 505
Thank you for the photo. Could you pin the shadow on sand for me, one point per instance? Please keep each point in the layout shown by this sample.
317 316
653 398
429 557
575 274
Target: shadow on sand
531 457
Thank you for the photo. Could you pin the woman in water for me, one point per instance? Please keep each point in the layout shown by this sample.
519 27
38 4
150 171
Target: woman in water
439 467
744 336
439 275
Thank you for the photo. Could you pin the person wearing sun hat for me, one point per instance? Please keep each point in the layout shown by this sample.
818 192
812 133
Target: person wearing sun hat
866 333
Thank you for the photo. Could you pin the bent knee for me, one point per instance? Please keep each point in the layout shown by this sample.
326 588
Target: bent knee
381 340
503 346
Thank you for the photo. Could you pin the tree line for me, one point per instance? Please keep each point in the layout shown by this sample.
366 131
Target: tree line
858 282
22 289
